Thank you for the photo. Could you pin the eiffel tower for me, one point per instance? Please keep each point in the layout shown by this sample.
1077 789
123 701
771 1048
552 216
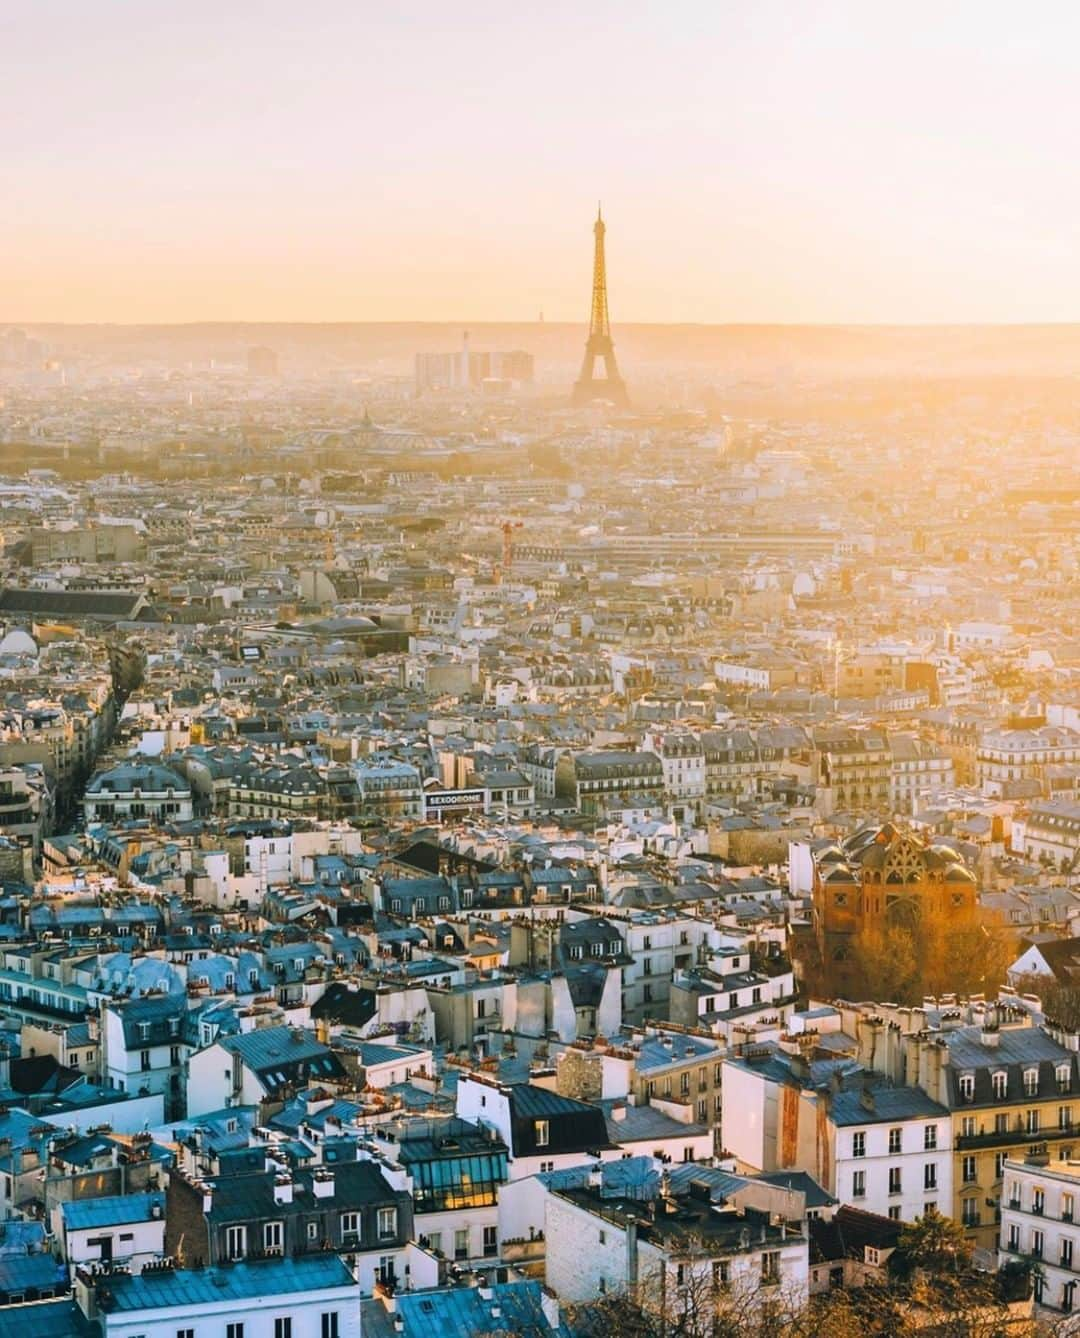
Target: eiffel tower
599 345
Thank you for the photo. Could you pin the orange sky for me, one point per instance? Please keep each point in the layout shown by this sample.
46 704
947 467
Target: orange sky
345 160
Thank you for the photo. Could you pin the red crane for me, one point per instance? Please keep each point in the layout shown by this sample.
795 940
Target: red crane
508 527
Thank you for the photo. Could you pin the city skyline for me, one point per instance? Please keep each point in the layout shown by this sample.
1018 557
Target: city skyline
805 165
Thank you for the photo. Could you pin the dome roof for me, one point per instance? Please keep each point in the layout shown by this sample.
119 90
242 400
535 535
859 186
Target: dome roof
18 642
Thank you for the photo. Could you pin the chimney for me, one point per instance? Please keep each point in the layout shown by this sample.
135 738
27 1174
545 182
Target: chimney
631 1252
283 1188
322 1184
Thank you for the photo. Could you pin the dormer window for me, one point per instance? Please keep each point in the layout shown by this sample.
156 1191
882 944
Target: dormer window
542 1131
967 1086
144 1031
1063 1073
1000 1082
395 905
1031 1082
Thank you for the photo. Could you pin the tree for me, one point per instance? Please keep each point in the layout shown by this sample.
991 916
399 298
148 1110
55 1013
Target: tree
1060 1002
699 1306
933 1244
934 955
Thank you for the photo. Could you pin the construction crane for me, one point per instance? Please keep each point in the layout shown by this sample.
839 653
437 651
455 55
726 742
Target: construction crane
508 527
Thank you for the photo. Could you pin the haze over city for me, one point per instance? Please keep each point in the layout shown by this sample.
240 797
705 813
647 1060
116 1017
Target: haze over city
776 162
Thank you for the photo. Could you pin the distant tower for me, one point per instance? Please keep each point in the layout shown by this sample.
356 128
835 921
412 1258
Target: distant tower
598 345
466 379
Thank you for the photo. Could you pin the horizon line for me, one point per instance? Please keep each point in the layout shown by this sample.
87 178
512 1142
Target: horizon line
466 323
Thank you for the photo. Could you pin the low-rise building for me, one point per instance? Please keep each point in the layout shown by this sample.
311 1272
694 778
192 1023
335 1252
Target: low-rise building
1040 1224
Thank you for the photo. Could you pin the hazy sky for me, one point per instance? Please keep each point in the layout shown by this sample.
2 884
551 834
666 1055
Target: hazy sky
767 160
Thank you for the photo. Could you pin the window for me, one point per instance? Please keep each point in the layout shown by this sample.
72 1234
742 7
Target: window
235 1242
313 1231
185 1333
1066 1252
969 1212
1014 1238
1033 1121
1000 1082
461 1243
894 1212
1037 1244
1064 1117
895 1136
1063 1073
283 1326
858 1144
144 1060
350 1224
967 1127
770 1268
542 1131
969 1171
1066 1207
1038 1201
272 1235
721 1274
894 1180
999 1164
235 1329
1001 1124
491 1241
929 1141
330 1324
967 1086
858 1185
546 1166
387 1223
929 1177
1031 1082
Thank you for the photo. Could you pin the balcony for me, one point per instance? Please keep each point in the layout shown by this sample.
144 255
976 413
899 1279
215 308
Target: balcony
1016 1136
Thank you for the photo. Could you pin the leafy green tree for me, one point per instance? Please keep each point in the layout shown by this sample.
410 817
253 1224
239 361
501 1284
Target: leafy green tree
933 1244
